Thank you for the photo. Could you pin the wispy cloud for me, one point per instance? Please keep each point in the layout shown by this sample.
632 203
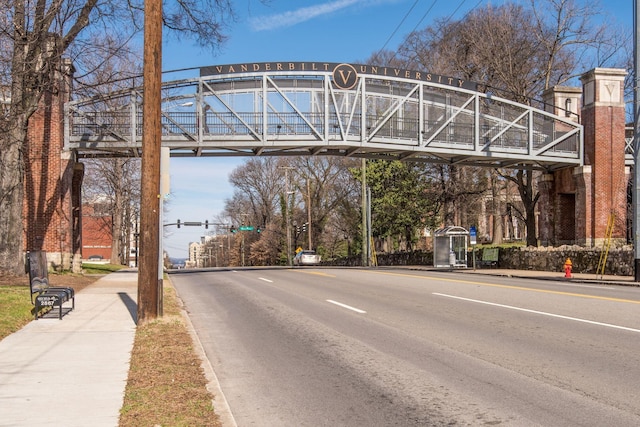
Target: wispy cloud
294 17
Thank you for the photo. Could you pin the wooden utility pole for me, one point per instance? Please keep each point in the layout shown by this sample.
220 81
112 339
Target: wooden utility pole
149 280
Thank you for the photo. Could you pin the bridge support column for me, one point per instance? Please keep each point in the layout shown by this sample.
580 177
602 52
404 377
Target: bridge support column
603 117
575 204
52 183
583 179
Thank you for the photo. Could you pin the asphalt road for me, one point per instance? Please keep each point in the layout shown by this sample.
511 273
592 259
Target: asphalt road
393 347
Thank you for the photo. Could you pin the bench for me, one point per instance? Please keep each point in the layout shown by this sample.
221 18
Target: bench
43 295
489 257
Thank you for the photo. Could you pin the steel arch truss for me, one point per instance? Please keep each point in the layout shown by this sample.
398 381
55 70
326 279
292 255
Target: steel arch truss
291 113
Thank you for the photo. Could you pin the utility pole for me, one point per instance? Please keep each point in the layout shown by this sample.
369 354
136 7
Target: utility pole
149 284
365 233
286 212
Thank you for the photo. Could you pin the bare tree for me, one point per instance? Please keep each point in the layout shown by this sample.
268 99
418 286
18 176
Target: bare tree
116 181
259 182
37 36
322 186
517 52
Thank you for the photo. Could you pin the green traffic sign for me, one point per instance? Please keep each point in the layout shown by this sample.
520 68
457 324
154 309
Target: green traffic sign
245 228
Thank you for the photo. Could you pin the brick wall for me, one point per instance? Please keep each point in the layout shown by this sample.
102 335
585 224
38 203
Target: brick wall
96 233
49 202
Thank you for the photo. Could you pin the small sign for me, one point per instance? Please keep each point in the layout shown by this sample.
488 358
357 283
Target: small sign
472 235
245 228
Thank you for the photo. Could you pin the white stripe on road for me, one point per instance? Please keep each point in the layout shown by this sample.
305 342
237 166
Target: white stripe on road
266 280
348 307
559 316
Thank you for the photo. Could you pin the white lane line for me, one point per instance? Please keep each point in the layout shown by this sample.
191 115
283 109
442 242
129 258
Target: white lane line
348 307
266 280
544 313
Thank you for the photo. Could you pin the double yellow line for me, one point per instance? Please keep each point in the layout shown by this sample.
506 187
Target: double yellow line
495 285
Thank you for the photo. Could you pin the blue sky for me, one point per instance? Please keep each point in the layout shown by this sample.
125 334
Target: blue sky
312 30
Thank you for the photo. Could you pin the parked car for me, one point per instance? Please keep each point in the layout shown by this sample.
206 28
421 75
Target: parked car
306 258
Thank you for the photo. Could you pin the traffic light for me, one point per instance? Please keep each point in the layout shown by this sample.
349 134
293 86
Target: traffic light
178 223
259 230
304 227
233 229
206 223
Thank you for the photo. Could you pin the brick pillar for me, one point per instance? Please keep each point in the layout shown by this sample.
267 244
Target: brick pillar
49 174
582 177
603 117
556 223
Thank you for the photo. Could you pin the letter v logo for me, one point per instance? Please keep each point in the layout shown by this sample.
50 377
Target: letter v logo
345 76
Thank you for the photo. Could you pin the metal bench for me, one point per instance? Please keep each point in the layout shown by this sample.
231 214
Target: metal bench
44 296
489 257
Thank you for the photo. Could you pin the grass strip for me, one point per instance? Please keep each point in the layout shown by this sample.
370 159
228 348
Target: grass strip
166 385
15 309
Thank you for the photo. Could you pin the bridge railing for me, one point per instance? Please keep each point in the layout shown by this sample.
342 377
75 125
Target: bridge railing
304 113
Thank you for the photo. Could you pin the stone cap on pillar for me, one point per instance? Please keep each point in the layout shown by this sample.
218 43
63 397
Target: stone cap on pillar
563 101
603 87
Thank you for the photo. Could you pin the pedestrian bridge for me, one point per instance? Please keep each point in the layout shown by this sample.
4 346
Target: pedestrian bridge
317 108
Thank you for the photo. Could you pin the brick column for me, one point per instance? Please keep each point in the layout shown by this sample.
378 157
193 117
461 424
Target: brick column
603 117
584 208
49 174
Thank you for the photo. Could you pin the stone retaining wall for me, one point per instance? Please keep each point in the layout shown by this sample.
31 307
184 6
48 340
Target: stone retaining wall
585 260
619 261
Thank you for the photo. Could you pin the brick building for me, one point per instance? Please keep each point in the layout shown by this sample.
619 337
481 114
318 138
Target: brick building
97 232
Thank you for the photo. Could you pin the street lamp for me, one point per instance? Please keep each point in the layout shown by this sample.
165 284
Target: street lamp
184 104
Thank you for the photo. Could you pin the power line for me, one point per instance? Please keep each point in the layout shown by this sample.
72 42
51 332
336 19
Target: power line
402 22
425 15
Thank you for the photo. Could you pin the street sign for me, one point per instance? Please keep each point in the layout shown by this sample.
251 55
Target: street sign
245 228
472 235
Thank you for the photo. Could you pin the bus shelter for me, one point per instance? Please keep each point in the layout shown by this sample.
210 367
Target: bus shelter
450 247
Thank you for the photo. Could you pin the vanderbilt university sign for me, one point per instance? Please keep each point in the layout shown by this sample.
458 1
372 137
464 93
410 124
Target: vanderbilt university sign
345 76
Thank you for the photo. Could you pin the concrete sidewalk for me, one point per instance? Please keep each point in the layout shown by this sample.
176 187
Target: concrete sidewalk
554 275
72 372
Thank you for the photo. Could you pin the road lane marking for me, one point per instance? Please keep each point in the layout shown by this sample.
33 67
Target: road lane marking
317 273
348 307
266 280
543 313
520 288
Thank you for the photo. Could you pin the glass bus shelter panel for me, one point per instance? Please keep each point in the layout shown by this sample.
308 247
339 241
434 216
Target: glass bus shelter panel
450 247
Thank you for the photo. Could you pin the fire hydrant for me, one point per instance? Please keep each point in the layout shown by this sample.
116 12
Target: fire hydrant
567 268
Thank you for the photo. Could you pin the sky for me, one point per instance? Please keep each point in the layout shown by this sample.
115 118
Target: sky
313 30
